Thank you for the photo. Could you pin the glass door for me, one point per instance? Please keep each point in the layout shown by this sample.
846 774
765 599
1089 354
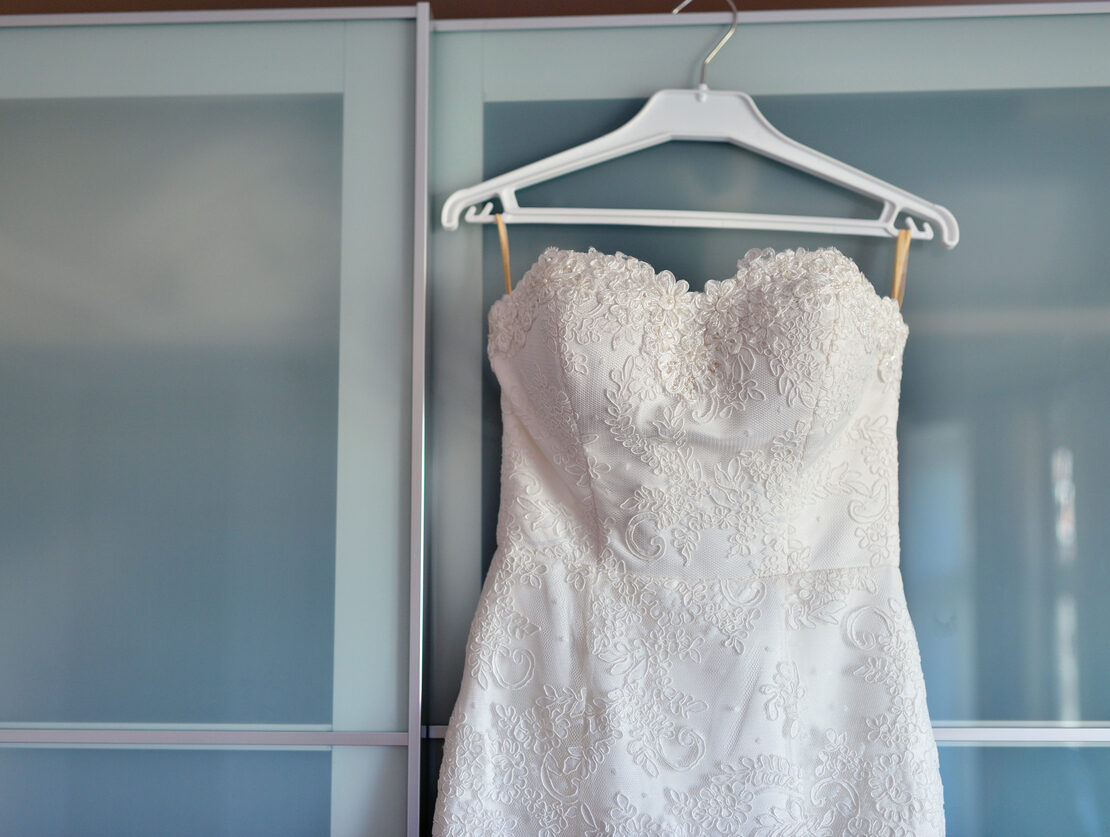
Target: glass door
1002 447
205 308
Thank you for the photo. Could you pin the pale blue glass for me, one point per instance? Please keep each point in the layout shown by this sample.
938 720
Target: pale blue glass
1005 396
169 320
139 793
1026 791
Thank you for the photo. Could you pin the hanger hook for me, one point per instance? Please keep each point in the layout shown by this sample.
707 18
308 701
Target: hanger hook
713 52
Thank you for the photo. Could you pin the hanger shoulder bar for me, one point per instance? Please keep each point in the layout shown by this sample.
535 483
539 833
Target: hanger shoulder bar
879 227
631 137
751 130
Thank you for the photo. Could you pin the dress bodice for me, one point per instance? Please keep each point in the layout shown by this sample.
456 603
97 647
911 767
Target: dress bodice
744 430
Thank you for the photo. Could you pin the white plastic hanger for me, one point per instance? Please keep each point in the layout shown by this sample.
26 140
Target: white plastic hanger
707 115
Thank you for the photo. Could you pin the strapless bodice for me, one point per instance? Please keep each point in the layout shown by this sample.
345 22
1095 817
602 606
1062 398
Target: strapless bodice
745 429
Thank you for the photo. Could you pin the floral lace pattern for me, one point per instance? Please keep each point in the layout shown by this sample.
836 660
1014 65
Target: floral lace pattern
694 622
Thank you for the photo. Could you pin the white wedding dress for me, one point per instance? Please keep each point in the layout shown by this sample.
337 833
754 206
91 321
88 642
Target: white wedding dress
694 622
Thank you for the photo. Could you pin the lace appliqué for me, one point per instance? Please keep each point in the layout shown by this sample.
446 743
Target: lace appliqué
694 624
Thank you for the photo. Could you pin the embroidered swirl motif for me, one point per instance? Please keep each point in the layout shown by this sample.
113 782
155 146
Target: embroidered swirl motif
694 623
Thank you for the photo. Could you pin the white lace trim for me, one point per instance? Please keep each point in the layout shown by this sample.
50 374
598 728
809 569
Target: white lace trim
805 276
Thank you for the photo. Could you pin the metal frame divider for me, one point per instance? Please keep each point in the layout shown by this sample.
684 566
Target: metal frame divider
1013 735
419 341
850 13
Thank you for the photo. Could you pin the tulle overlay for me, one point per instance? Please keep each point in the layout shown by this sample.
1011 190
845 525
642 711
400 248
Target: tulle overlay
694 623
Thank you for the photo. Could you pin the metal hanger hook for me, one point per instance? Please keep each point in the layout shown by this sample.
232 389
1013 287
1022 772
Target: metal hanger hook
713 52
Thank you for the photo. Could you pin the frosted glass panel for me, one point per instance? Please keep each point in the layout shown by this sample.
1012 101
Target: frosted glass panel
169 318
136 793
1006 392
1026 791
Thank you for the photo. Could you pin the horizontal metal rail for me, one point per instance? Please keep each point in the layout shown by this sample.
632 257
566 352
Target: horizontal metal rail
1023 736
261 737
865 13
1013 735
207 738
842 14
209 16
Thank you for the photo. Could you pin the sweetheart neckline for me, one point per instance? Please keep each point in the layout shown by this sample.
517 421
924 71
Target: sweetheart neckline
744 267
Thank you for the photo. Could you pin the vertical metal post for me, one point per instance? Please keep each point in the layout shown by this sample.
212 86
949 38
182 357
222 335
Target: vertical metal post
419 307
